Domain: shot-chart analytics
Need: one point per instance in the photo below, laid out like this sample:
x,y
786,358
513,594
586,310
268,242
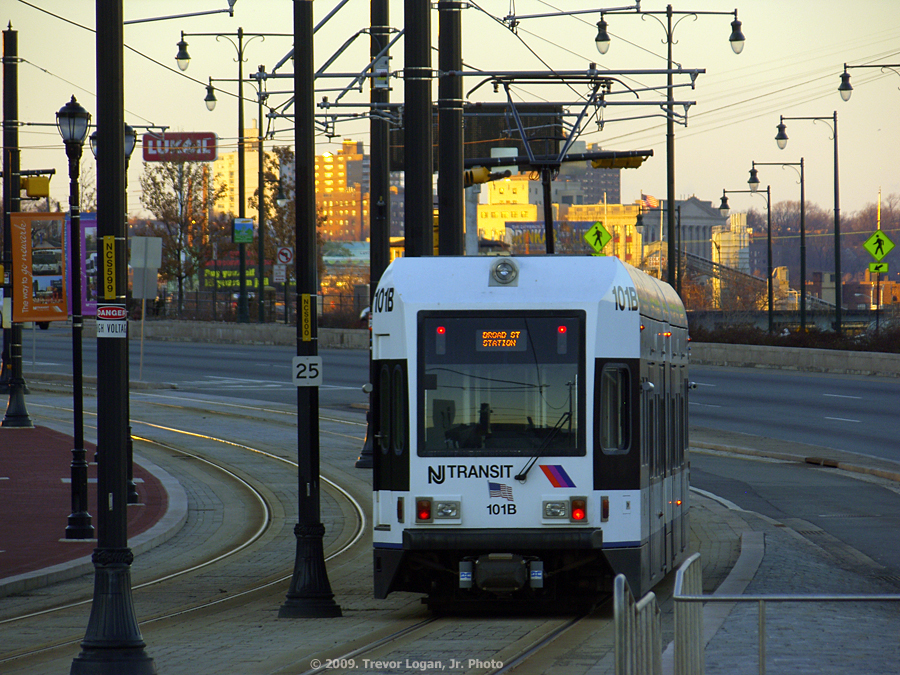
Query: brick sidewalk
x,y
35,501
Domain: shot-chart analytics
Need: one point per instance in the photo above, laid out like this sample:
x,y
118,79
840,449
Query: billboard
x,y
492,125
39,266
180,146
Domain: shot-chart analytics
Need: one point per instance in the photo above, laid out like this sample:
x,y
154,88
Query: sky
x,y
791,65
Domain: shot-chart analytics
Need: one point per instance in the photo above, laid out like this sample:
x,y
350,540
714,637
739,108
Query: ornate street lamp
x,y
724,210
753,182
73,121
736,39
845,89
782,139
183,59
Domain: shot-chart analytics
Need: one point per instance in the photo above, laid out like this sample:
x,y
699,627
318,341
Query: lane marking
x,y
843,419
858,398
705,405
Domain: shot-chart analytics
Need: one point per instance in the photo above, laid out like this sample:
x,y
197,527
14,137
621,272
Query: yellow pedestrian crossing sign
x,y
878,245
597,236
879,267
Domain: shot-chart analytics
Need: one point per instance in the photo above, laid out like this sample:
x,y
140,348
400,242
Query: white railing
x,y
688,597
638,638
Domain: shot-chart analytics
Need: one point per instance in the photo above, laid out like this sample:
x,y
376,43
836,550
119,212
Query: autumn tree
x,y
177,194
280,221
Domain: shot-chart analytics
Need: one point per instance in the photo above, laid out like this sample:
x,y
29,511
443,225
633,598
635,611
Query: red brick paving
x,y
35,503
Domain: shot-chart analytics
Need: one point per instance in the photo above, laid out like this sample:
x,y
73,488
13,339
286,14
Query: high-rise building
x,y
342,192
225,171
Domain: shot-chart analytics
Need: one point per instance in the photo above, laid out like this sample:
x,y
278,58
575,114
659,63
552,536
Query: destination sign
x,y
500,339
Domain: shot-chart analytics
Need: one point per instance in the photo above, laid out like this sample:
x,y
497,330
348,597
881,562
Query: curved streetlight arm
x,y
846,89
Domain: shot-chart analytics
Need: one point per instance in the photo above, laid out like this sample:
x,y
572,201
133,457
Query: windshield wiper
x,y
523,474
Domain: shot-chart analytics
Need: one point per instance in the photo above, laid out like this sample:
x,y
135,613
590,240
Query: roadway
x,y
849,413
843,412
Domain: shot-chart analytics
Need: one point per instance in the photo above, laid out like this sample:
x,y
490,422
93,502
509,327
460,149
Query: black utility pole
x,y
310,592
261,205
11,376
451,196
417,129
113,642
379,183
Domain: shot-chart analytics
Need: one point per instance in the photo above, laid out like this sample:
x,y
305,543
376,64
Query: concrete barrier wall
x,y
711,354
243,333
793,358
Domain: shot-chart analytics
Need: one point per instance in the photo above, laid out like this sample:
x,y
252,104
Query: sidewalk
x,y
35,503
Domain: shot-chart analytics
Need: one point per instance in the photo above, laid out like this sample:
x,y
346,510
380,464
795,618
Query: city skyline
x,y
790,66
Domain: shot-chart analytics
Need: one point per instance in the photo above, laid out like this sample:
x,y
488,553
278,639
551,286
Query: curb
x,y
167,527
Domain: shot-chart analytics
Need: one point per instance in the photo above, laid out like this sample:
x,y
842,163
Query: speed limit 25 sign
x,y
307,371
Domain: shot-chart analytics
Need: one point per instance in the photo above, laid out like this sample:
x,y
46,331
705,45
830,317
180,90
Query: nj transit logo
x,y
557,476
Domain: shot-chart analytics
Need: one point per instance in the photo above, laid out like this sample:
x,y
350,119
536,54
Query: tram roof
x,y
578,279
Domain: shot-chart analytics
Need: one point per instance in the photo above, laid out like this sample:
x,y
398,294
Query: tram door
x,y
656,420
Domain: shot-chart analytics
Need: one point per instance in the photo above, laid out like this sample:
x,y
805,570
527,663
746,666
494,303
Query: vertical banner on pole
x,y
38,266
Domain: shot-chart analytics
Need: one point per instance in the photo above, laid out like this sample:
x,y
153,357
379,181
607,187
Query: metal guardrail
x,y
638,639
689,647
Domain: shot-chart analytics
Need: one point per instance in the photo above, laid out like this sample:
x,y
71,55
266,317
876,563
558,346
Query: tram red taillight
x,y
561,329
441,330
423,510
579,509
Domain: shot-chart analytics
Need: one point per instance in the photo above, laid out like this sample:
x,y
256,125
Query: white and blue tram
x,y
530,419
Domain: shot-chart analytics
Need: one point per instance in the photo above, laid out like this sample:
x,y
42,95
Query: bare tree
x,y
177,194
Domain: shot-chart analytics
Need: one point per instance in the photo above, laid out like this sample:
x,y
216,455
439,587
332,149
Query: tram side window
x,y
615,410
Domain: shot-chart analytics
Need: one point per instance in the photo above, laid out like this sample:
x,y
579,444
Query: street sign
x,y
878,245
112,321
307,371
879,267
285,255
109,267
180,146
243,231
146,259
597,236
279,274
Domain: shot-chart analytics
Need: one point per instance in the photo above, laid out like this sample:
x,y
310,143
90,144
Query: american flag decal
x,y
500,490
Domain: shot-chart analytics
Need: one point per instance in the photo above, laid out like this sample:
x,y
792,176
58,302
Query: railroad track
x,y
188,579
474,645
229,602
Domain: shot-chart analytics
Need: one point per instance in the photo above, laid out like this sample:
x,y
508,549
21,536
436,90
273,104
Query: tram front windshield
x,y
501,384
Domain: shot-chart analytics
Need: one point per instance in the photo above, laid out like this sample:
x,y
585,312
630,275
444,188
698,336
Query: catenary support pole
x,y
113,641
310,592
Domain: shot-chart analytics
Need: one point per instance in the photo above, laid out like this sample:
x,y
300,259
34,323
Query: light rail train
x,y
530,426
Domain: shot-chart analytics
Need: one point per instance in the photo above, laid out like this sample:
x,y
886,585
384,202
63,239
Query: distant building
x,y
225,170
342,192
732,243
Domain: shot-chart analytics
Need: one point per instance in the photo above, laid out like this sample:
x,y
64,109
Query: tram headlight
x,y
554,509
504,271
446,509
